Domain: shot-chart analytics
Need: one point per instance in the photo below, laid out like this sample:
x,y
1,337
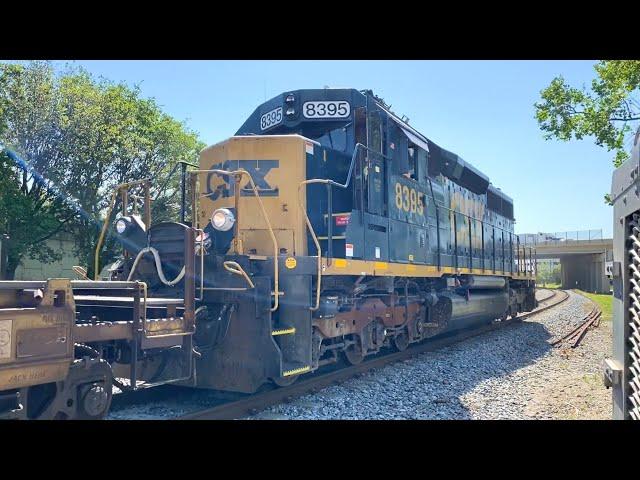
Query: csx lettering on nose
x,y
258,169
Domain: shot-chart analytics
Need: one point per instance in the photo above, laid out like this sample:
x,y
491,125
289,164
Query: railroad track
x,y
250,405
575,336
556,298
552,294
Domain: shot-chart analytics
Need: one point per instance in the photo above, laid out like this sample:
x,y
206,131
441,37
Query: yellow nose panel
x,y
277,164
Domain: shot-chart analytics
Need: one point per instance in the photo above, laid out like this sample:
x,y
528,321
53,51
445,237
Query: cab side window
x,y
360,126
375,131
398,150
412,157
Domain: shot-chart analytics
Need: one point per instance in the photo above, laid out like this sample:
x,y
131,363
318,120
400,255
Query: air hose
x,y
156,257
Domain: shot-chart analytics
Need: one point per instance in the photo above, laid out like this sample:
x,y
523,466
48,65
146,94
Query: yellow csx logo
x,y
408,199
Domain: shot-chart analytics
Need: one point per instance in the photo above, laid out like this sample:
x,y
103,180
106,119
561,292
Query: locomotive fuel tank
x,y
477,282
479,307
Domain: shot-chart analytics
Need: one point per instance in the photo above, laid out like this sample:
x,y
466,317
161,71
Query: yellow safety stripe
x,y
342,266
284,331
295,371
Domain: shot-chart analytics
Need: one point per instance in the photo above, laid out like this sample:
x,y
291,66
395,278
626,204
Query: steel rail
x,y
547,297
249,405
577,334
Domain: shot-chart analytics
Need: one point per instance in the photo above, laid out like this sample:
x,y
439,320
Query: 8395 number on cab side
x,y
271,118
326,109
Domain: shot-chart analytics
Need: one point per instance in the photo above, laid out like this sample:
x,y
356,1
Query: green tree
x,y
609,111
29,214
30,210
556,274
547,272
85,136
543,273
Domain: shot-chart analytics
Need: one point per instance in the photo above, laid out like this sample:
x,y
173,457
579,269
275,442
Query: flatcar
x,y
326,228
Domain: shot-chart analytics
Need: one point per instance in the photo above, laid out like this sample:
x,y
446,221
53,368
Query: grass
x,y
603,300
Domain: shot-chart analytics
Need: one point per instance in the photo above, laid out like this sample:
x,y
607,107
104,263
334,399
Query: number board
x,y
271,118
328,109
407,200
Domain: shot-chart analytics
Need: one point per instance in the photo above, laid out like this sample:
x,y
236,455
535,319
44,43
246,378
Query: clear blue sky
x,y
482,110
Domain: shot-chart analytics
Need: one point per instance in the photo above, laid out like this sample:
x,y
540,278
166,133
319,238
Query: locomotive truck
x,y
326,228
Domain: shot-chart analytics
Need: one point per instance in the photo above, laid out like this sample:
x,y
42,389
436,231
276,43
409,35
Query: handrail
x,y
236,268
238,174
314,237
325,181
105,226
179,163
81,272
442,205
183,164
482,222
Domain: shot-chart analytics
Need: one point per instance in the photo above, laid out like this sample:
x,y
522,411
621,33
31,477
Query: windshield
x,y
334,139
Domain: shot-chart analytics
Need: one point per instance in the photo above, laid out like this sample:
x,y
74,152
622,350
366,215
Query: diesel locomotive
x,y
327,227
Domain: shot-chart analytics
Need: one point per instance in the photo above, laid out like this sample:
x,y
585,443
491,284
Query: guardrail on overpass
x,y
560,238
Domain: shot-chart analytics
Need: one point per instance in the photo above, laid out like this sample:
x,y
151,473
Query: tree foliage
x,y
30,210
84,136
609,111
547,272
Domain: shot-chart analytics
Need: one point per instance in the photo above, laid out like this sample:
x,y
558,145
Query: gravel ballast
x,y
510,373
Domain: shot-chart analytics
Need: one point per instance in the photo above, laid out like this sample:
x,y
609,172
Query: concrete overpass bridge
x,y
583,257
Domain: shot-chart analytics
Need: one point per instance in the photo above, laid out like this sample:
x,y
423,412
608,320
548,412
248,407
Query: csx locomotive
x,y
326,227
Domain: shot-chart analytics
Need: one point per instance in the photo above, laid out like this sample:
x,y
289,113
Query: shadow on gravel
x,y
427,386
461,368
431,385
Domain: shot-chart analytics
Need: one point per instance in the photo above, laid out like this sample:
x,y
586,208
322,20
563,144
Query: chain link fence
x,y
560,238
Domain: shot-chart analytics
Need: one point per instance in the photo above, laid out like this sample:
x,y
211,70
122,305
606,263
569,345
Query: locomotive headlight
x,y
291,111
223,219
290,98
121,226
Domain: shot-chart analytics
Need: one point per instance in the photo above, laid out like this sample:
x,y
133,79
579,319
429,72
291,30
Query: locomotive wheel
x,y
285,381
401,341
354,353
